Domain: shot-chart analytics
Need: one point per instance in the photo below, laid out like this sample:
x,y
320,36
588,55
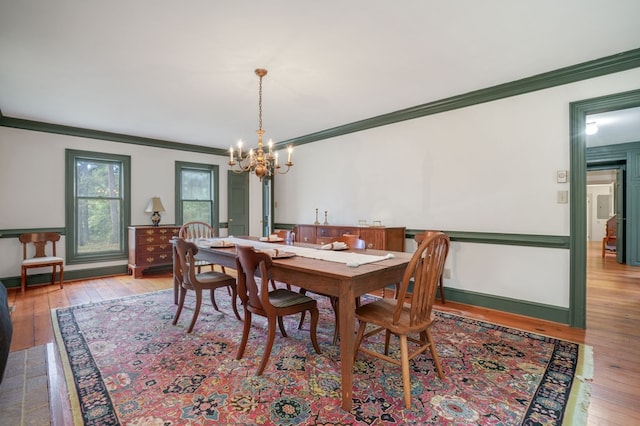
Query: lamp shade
x,y
155,205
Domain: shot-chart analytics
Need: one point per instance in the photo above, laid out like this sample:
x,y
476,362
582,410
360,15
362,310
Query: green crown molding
x,y
571,74
38,126
598,67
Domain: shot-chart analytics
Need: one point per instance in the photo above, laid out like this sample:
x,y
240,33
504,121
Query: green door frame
x,y
578,186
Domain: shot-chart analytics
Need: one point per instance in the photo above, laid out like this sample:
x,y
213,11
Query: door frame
x,y
578,112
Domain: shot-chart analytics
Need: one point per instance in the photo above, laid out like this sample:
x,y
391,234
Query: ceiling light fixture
x,y
592,128
258,162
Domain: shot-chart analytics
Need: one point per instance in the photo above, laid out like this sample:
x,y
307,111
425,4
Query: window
x,y
197,193
98,206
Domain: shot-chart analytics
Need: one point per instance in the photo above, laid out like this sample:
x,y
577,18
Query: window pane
x,y
196,185
97,179
98,226
196,211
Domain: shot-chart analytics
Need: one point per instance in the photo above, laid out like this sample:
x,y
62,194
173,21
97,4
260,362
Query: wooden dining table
x,y
330,278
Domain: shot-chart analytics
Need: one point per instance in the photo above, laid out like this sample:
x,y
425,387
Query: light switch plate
x,y
563,197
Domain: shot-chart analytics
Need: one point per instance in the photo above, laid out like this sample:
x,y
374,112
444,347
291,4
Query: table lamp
x,y
155,206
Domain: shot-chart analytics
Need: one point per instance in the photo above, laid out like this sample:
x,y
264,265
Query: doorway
x,y
578,202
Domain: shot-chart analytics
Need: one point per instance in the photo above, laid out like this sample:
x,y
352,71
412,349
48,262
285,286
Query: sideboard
x,y
150,246
375,237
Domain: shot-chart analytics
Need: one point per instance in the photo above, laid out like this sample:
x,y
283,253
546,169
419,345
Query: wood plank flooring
x,y
613,326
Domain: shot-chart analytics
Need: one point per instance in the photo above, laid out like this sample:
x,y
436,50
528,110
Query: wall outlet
x,y
446,273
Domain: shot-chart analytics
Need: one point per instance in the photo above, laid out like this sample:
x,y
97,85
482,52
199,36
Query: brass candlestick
x,y
326,222
316,222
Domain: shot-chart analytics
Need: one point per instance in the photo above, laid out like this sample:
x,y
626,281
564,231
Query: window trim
x,y
215,191
71,249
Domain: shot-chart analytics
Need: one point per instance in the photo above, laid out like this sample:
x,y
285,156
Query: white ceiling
x,y
184,71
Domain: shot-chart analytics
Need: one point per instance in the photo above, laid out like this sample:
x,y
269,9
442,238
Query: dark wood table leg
x,y
346,319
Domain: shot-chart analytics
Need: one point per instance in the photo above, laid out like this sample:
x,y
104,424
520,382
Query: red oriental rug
x,y
127,364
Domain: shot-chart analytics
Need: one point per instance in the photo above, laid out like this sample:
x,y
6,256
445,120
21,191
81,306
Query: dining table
x,y
345,274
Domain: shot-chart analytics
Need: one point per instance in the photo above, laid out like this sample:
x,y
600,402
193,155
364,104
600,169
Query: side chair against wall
x,y
395,316
257,299
609,240
190,280
196,230
40,240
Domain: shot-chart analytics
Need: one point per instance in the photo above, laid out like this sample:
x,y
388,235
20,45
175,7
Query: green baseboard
x,y
514,306
81,274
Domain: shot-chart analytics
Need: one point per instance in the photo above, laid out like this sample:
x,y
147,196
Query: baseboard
x,y
505,304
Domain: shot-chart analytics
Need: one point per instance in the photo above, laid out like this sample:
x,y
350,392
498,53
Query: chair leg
x,y
359,336
434,354
61,275
245,334
404,360
196,310
183,293
441,289
234,299
267,349
336,330
387,337
23,279
53,275
314,324
213,300
281,325
304,313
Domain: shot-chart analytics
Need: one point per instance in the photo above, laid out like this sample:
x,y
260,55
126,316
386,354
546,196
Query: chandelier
x,y
258,161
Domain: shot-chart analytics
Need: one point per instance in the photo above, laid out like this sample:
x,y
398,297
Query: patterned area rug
x,y
127,364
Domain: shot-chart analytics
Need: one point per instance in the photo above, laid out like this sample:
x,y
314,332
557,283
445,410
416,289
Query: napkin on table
x,y
270,252
336,245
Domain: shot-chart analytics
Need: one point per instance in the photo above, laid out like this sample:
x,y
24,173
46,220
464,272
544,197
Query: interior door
x,y
621,211
238,203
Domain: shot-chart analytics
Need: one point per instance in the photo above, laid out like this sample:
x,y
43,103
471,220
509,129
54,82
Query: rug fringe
x,y
577,410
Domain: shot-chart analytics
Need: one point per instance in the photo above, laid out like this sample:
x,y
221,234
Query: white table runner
x,y
351,259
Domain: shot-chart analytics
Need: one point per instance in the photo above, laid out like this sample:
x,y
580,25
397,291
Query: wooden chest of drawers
x,y
150,246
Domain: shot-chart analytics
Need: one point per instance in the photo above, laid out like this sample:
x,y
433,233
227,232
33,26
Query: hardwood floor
x,y
613,326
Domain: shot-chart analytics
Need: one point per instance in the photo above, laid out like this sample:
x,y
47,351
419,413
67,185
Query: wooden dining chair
x,y
407,318
40,259
257,299
198,282
610,236
195,230
418,239
353,241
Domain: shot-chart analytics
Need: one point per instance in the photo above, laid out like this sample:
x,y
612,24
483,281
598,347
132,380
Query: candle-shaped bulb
x,y
290,151
240,149
276,159
270,148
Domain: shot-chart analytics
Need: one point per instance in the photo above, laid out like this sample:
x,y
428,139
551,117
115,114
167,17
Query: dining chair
x,y
195,230
418,239
609,240
198,282
40,259
275,304
353,241
406,318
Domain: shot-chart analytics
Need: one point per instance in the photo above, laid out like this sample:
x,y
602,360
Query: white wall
x,y
485,168
32,177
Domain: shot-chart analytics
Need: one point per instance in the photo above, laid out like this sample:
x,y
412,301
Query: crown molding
x,y
595,68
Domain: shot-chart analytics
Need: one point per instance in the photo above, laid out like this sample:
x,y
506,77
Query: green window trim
x,y
180,167
72,253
